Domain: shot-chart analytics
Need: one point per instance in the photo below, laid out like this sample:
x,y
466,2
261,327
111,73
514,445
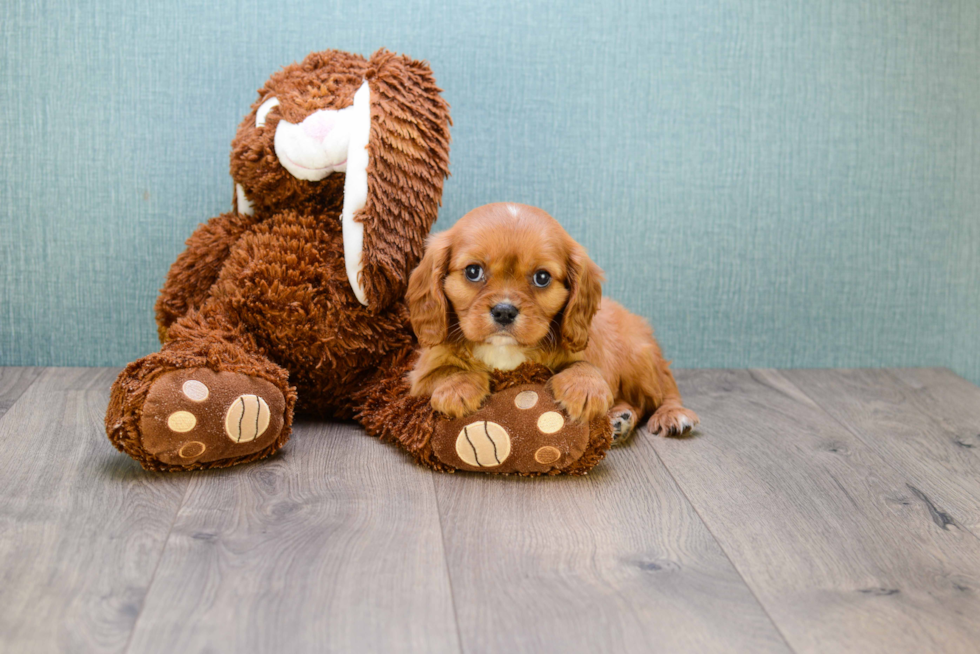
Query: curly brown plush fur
x,y
262,297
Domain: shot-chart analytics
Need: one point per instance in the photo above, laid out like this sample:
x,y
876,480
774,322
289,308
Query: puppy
x,y
507,284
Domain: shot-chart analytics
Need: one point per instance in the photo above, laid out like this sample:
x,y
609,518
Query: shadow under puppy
x,y
507,285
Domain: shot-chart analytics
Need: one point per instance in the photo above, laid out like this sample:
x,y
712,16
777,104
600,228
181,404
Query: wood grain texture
x,y
82,527
840,548
949,400
13,383
331,546
929,428
813,511
617,562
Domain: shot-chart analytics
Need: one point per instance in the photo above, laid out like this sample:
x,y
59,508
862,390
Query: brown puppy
x,y
507,284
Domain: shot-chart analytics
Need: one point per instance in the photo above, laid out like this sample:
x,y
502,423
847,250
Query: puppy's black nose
x,y
504,314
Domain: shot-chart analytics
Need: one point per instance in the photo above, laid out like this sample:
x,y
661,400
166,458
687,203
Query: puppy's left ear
x,y
585,294
427,303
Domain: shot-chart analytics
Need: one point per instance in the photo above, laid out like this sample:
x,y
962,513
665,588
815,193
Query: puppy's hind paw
x,y
623,419
672,421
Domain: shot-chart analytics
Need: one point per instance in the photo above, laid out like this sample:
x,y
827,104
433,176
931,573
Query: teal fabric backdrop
x,y
771,182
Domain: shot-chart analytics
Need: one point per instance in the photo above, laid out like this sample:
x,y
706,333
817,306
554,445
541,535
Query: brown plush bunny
x,y
294,300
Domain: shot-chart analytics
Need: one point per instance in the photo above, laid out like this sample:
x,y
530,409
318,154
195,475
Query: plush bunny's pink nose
x,y
318,124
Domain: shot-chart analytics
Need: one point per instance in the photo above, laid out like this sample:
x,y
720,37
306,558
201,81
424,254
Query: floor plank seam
x,y
445,562
163,551
721,547
23,392
930,506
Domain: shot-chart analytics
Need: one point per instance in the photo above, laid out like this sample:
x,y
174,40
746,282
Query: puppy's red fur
x,y
605,358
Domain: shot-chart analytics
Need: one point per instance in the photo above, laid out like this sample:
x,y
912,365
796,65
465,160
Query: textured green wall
x,y
773,183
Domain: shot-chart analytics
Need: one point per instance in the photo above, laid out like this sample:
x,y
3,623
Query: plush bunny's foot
x,y
197,415
171,410
521,430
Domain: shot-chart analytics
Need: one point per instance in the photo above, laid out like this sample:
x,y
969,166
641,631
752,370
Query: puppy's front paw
x,y
459,395
672,421
583,396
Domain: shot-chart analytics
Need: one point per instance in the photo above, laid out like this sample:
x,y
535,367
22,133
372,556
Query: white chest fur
x,y
501,357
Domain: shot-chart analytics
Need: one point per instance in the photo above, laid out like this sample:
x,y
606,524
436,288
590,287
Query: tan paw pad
x,y
195,391
247,418
550,422
525,400
191,450
547,454
483,444
181,421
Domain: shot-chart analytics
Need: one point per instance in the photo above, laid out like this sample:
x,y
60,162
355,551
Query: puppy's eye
x,y
473,272
542,278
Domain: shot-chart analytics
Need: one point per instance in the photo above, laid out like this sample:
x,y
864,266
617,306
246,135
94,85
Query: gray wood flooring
x,y
813,511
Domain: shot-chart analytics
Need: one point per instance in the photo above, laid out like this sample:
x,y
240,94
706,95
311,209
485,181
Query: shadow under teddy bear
x,y
294,300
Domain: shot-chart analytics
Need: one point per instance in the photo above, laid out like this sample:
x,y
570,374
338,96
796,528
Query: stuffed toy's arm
x,y
196,268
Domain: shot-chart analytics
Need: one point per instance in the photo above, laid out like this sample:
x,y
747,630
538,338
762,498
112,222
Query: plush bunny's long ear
x,y
408,160
427,302
585,294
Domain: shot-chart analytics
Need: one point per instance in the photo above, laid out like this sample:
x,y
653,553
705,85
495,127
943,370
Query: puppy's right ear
x,y
427,303
584,298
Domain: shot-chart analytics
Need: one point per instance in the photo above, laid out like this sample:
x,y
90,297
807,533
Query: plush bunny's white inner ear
x,y
356,189
244,204
264,110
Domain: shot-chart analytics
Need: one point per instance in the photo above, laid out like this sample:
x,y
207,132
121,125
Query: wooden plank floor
x,y
813,511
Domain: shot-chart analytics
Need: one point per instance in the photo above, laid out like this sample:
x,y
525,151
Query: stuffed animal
x,y
294,300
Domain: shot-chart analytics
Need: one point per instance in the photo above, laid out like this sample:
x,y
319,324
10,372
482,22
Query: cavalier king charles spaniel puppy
x,y
507,284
